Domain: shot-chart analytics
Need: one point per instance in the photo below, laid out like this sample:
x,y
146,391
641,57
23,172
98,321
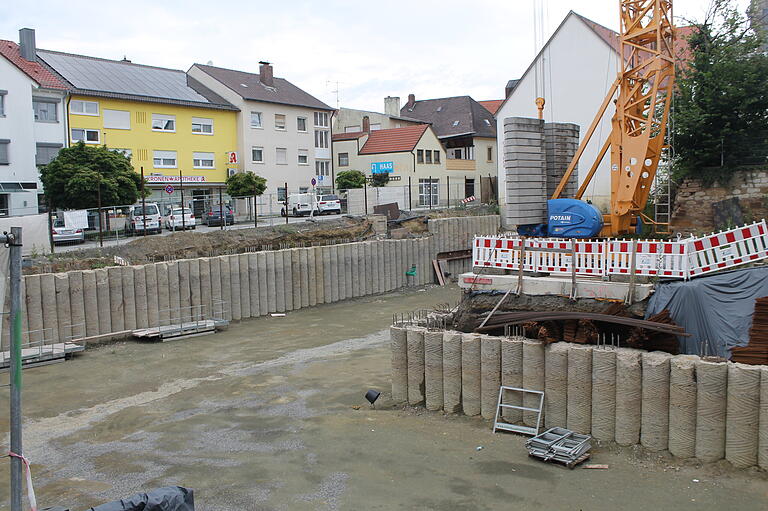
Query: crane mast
x,y
643,90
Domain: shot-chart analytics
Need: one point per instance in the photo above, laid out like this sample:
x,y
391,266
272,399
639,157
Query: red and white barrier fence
x,y
682,258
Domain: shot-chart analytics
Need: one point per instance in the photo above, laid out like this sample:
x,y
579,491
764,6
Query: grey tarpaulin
x,y
168,498
717,308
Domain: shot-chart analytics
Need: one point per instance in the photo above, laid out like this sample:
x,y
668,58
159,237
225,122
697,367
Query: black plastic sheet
x,y
168,498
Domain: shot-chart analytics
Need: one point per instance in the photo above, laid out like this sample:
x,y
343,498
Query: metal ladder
x,y
662,206
518,428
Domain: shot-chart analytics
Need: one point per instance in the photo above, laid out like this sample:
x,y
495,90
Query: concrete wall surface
x,y
91,303
691,407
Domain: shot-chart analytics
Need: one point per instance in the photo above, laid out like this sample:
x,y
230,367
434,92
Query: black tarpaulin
x,y
715,309
168,498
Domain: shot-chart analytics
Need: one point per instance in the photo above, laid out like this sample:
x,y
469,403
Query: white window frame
x,y
322,139
164,118
84,104
53,102
285,156
424,192
3,93
277,127
346,160
352,129
114,126
321,120
322,167
202,122
300,118
305,154
200,161
257,148
164,155
261,120
85,135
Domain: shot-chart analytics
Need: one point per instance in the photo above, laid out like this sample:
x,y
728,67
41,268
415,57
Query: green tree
x,y
720,118
244,184
380,179
74,177
347,179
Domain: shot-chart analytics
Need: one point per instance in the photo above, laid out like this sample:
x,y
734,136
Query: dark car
x,y
213,216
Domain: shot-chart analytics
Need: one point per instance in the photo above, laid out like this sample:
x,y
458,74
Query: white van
x,y
300,204
136,218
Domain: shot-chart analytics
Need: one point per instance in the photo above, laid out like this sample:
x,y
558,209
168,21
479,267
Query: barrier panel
x,y
681,259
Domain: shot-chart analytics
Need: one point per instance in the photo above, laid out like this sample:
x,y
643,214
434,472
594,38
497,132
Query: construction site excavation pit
x,y
270,414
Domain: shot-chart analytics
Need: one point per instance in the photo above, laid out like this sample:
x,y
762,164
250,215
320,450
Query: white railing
x,y
682,258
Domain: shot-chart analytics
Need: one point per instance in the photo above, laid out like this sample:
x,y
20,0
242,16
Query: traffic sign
x,y
169,189
314,181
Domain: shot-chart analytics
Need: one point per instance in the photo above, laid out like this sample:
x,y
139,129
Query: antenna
x,y
335,91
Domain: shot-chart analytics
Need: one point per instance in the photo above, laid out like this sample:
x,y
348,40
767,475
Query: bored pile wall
x,y
691,407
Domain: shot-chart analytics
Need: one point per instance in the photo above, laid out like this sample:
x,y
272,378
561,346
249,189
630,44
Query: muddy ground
x,y
270,415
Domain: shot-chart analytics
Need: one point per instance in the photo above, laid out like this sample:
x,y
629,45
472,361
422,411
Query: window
x,y
117,119
490,153
257,154
436,158
321,138
2,102
301,124
420,156
87,136
162,122
429,192
202,125
256,120
321,119
303,157
45,110
322,167
428,156
164,159
46,153
4,143
303,189
352,129
343,159
280,122
376,126
80,107
281,156
455,123
202,160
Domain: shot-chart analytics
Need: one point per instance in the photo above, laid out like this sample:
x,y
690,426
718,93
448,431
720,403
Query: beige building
x,y
349,120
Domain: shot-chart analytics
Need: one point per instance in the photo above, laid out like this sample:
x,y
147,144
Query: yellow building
x,y
172,127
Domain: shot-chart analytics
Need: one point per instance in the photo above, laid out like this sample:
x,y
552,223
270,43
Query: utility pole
x,y
14,243
98,203
255,206
183,211
143,204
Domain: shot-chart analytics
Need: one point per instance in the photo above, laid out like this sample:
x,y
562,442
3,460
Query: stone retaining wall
x,y
91,303
688,406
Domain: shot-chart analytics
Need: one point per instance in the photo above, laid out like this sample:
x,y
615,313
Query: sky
x,y
431,48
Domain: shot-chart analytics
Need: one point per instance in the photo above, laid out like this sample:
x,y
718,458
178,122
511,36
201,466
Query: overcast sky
x,y
433,48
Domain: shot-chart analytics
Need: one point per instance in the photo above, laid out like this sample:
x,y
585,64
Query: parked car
x,y
330,204
63,235
300,204
174,220
213,216
135,223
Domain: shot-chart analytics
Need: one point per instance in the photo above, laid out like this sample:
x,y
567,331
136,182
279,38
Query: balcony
x,y
454,164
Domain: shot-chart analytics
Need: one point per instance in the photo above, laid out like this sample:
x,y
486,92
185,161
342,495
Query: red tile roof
x,y
492,105
394,140
34,70
352,135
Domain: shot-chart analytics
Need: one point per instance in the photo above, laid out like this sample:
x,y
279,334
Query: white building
x,y
573,72
32,124
283,133
350,120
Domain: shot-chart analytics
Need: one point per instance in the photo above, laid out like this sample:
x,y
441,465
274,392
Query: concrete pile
x,y
688,406
525,171
560,143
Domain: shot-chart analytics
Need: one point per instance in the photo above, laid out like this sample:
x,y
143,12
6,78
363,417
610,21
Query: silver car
x,y
61,234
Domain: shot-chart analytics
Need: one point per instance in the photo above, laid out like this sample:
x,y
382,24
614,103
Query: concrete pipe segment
x,y
288,275
34,303
245,287
140,290
682,406
415,340
512,376
214,267
556,384
253,285
264,275
277,287
185,289
63,308
452,372
490,375
298,294
234,286
129,300
711,395
115,276
399,345
742,415
533,379
629,380
158,273
77,302
604,394
433,369
354,259
206,298
762,450
48,301
348,276
654,426
580,389
470,374
102,295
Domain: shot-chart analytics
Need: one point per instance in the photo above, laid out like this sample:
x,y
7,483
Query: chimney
x,y
392,106
411,101
27,44
265,74
366,124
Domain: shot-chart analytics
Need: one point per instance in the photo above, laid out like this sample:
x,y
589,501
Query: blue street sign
x,y
382,167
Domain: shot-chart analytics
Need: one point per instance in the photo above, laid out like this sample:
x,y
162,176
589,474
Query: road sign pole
x,y
183,215
286,203
143,205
